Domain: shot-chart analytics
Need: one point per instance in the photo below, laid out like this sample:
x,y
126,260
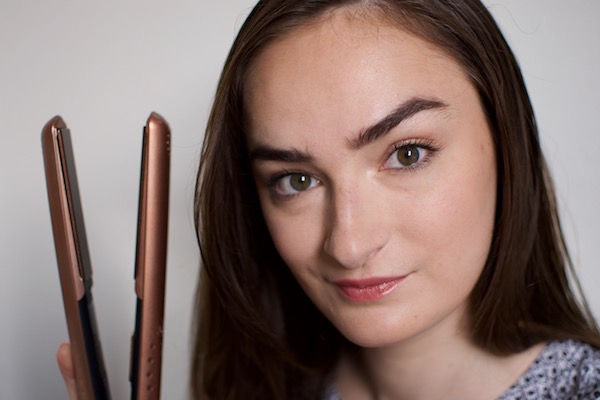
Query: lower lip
x,y
368,293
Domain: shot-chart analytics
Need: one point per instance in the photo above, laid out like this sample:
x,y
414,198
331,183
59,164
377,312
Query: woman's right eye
x,y
294,183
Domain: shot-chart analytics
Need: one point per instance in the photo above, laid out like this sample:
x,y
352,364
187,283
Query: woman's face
x,y
376,174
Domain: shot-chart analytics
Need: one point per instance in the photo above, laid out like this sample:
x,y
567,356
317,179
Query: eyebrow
x,y
268,153
401,113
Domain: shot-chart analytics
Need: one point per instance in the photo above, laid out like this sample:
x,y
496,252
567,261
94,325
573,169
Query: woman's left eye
x,y
407,156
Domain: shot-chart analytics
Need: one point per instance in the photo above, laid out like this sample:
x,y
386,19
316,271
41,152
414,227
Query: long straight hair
x,y
257,335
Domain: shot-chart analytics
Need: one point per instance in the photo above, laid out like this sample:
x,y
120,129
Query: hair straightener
x,y
75,269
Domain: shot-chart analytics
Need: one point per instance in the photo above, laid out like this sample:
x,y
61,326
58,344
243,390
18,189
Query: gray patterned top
x,y
564,370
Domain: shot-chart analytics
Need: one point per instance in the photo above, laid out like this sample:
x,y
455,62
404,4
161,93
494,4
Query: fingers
x,y
65,364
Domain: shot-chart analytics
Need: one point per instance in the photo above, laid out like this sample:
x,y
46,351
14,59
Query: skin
x,y
351,210
343,208
65,364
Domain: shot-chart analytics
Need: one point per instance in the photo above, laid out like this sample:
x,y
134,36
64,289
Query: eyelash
x,y
428,145
425,144
276,178
272,180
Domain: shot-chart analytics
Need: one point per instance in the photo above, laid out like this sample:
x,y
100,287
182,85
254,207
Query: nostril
x,y
355,230
352,249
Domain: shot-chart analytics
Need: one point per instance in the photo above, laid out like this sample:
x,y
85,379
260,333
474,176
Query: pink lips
x,y
365,290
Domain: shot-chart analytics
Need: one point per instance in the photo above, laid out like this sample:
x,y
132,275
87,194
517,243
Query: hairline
x,y
376,12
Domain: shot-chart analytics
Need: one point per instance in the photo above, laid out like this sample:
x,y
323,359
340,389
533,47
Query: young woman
x,y
375,216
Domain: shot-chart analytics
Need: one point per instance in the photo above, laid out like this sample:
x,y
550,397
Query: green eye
x,y
300,182
408,155
290,184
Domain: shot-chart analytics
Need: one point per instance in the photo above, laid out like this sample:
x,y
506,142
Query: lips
x,y
367,290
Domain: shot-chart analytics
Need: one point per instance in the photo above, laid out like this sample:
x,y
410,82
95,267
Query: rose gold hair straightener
x,y
75,268
151,259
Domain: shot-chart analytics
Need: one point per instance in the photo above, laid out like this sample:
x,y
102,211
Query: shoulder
x,y
565,369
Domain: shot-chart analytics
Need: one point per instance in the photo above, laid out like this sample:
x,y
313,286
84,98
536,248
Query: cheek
x,y
296,235
460,220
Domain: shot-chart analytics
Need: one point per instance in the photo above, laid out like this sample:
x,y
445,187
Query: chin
x,y
374,330
374,340
384,327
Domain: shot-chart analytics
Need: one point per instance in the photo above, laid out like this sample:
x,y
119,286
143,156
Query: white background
x,y
105,65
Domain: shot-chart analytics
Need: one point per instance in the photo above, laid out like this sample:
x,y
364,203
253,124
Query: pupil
x,y
408,155
300,182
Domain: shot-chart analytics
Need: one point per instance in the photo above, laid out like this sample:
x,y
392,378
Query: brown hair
x,y
257,335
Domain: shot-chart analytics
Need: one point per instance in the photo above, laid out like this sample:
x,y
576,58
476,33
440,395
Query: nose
x,y
355,226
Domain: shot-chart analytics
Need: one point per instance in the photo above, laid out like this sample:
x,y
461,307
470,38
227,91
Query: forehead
x,y
341,71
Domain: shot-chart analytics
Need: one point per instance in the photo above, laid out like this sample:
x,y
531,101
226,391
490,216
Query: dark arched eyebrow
x,y
267,153
395,118
401,113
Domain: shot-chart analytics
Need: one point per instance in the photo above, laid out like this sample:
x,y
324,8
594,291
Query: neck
x,y
433,365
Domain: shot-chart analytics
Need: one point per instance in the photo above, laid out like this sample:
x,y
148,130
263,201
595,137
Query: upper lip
x,y
367,282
